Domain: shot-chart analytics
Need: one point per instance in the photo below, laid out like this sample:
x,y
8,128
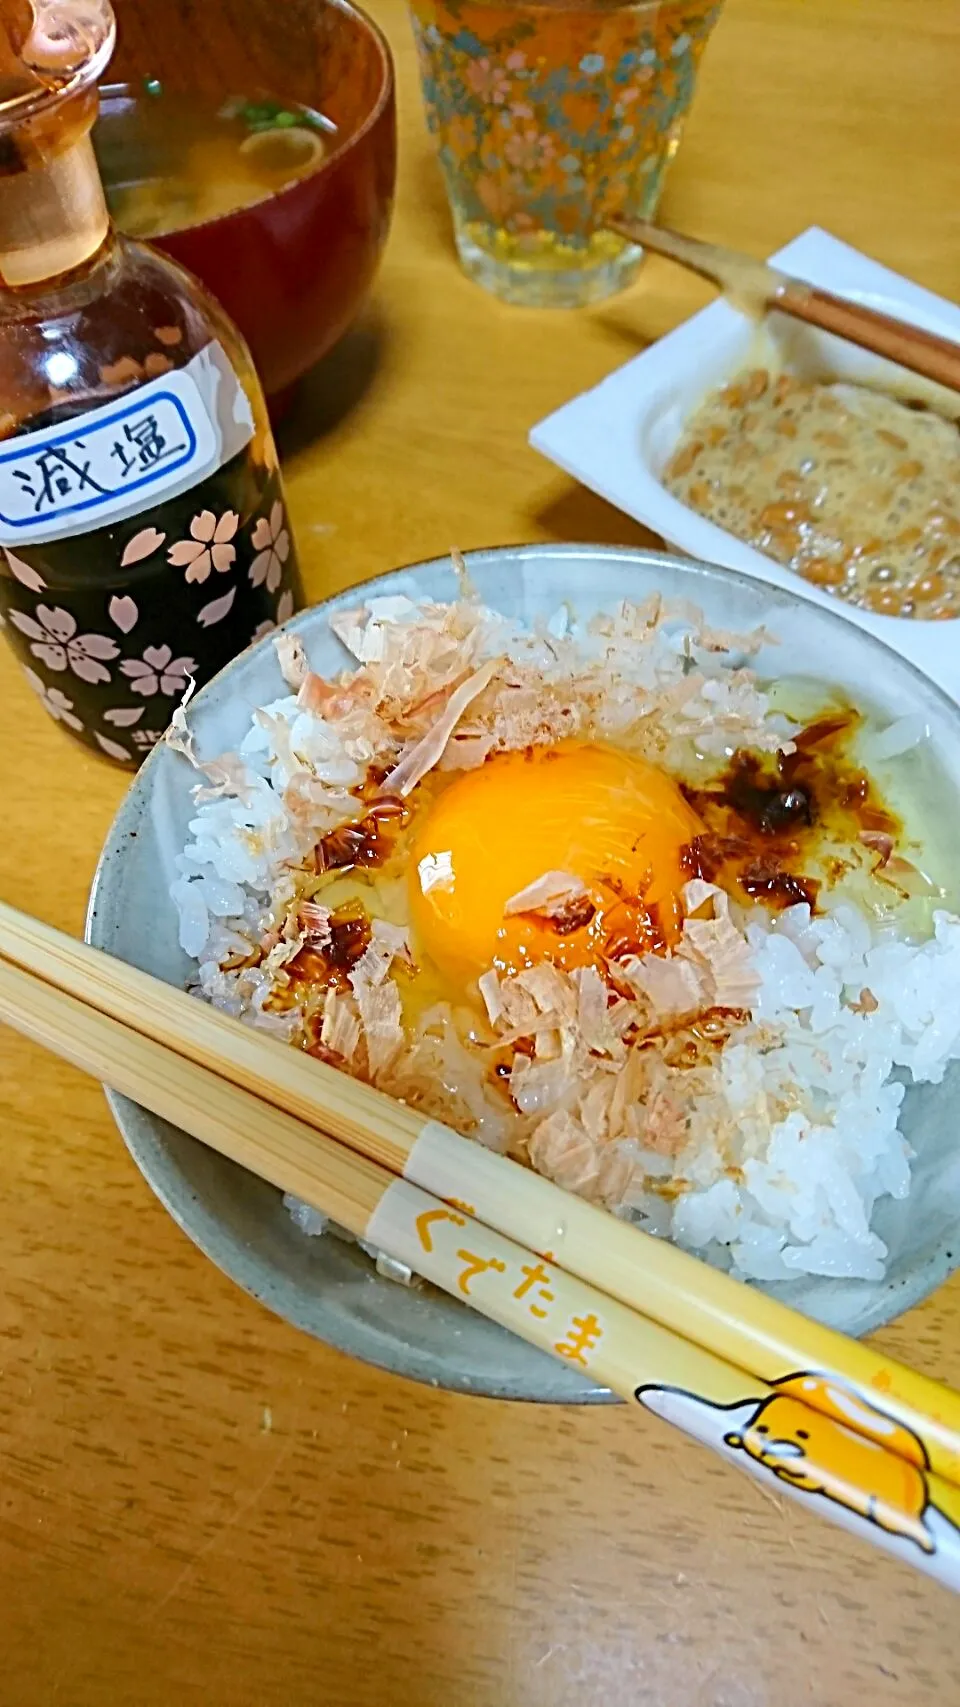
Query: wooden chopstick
x,y
759,286
893,1503
738,1323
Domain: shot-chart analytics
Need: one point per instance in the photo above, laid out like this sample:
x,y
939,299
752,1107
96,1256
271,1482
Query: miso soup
x,y
172,160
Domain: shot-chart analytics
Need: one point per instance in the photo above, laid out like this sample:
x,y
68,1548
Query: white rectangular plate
x,y
618,437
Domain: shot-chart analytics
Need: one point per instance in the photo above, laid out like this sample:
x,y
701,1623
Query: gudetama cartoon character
x,y
844,1450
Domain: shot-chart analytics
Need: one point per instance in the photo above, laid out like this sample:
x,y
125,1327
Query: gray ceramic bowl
x,y
330,1288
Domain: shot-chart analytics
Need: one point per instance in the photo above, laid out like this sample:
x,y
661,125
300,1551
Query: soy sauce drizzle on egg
x,y
767,818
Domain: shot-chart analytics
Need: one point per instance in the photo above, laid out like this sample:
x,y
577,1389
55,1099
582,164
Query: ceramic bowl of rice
x,y
632,868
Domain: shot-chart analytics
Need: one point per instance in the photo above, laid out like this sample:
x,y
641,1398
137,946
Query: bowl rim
x,y
254,1273
385,96
834,612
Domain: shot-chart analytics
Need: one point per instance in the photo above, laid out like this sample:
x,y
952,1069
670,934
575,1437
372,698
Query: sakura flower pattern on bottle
x,y
113,622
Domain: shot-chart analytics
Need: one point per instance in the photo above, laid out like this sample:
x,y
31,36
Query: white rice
x,y
805,1114
806,1185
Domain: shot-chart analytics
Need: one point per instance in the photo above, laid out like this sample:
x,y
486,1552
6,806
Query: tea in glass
x,y
550,118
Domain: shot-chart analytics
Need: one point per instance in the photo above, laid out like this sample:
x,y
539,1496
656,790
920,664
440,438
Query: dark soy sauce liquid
x,y
110,622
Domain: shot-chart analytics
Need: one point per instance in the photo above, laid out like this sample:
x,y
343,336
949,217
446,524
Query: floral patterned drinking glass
x,y
549,118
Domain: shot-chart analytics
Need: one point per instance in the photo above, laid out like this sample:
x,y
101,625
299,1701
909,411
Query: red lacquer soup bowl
x,y
293,270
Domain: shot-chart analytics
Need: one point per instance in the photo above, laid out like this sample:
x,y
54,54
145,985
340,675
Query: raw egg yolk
x,y
612,820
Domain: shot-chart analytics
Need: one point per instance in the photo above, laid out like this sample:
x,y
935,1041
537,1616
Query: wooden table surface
x,y
198,1504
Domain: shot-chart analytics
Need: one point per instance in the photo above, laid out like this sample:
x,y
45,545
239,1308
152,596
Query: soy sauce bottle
x,y
143,533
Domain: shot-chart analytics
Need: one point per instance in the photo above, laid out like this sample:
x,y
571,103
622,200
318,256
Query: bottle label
x,y
125,457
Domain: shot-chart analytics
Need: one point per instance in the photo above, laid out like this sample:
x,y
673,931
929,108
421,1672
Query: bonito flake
x,y
609,1078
